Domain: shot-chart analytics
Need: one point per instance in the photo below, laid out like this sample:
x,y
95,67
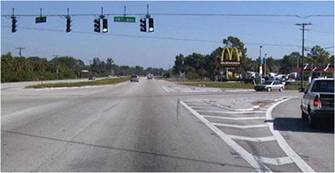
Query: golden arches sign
x,y
230,56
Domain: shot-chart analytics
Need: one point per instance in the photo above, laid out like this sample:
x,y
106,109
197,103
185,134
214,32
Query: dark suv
x,y
318,101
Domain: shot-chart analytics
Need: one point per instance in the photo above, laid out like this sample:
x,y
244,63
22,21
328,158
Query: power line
x,y
181,14
157,37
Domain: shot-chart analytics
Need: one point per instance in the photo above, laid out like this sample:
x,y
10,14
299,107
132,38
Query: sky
x,y
202,34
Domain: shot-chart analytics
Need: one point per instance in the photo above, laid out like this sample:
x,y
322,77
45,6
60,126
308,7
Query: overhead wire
x,y
181,14
156,37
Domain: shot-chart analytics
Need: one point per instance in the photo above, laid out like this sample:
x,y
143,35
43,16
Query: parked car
x,y
270,85
134,78
318,101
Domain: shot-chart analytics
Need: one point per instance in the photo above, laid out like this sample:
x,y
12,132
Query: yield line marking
x,y
259,166
239,126
282,142
233,118
232,112
255,139
275,161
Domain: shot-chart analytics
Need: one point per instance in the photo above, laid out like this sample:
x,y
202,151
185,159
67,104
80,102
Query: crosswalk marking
x,y
240,126
253,139
234,118
232,112
275,161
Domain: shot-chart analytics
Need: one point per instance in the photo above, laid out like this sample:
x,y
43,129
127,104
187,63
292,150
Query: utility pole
x,y
264,62
20,50
302,54
57,66
260,61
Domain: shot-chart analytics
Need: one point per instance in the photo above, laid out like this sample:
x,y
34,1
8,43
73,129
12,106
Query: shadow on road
x,y
299,125
127,150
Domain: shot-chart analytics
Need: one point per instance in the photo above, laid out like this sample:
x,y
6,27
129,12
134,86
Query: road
x,y
155,125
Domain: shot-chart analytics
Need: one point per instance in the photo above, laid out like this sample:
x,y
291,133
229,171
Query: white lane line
x,y
233,118
165,89
275,161
259,166
282,142
253,139
239,126
232,112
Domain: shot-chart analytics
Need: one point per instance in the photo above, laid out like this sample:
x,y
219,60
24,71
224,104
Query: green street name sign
x,y
124,19
41,19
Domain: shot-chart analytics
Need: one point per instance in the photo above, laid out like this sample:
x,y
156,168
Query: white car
x,y
270,86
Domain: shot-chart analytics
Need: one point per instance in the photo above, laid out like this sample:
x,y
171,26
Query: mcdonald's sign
x,y
230,56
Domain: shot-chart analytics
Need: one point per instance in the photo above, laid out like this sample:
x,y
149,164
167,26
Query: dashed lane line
x,y
240,126
234,118
257,164
282,142
253,139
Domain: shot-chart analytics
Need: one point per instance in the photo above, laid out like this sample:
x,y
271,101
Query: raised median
x,y
80,84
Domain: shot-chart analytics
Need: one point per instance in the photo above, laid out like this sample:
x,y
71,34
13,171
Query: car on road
x,y
318,101
270,85
149,76
134,78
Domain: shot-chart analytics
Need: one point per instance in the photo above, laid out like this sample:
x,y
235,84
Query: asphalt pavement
x,y
155,125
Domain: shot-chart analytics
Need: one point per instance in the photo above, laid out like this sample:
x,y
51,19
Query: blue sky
x,y
161,52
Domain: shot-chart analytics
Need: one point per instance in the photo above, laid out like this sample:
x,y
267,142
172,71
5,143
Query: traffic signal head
x,y
151,24
143,25
104,25
97,25
68,24
14,21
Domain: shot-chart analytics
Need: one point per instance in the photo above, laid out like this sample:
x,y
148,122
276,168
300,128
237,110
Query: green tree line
x,y
199,66
14,69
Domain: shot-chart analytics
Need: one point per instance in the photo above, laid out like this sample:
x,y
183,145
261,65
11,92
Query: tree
x,y
179,64
289,61
318,56
272,65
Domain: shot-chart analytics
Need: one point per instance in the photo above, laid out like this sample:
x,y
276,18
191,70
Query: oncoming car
x,y
270,86
134,78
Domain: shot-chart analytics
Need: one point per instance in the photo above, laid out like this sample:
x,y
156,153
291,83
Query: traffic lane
x,y
143,134
101,132
60,120
23,99
315,146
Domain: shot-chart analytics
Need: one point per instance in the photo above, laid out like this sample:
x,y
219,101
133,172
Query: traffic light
x,y
97,25
14,21
68,24
104,25
151,24
143,25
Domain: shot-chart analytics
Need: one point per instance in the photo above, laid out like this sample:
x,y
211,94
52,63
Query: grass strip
x,y
80,84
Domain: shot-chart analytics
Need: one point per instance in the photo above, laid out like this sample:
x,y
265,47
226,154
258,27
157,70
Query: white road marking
x,y
275,161
239,126
282,142
233,118
259,166
165,89
253,139
232,112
